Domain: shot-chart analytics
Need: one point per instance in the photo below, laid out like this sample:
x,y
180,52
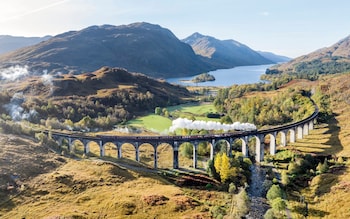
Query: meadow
x,y
161,124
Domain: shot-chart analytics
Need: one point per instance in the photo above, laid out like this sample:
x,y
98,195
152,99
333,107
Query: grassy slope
x,y
92,189
151,122
328,195
51,186
159,123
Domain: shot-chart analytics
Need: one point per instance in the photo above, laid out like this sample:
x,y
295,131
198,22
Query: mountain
x,y
328,60
11,43
138,47
225,53
107,92
273,57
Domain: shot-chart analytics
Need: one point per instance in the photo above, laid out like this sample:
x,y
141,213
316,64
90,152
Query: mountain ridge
x,y
225,53
10,43
327,60
138,47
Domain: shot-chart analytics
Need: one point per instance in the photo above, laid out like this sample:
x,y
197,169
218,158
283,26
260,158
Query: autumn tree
x,y
225,170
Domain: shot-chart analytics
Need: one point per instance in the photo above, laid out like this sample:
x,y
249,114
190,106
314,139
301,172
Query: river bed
x,y
256,192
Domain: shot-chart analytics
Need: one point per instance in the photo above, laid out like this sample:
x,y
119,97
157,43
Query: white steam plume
x,y
47,80
181,123
14,72
15,109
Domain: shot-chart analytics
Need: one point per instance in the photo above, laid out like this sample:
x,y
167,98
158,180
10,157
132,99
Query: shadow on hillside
x,y
310,212
6,204
334,140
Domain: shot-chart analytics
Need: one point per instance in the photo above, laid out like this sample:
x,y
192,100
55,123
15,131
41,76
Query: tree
x,y
322,167
274,192
186,149
293,168
226,119
240,204
211,170
284,178
203,149
157,110
278,205
243,201
269,214
225,168
218,162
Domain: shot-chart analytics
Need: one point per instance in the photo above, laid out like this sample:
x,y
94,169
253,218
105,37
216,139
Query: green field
x,y
158,123
194,108
151,122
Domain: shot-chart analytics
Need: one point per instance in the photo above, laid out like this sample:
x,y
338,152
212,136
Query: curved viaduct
x,y
296,131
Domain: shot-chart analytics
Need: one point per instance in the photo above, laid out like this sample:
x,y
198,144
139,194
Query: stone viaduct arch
x,y
296,131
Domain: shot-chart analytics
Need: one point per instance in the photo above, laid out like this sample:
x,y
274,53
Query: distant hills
x,y
273,57
112,92
11,43
138,47
329,60
225,53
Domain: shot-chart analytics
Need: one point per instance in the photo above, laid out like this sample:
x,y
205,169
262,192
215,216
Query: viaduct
x,y
295,131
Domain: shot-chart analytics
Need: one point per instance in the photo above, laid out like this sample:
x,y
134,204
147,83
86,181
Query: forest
x,y
289,106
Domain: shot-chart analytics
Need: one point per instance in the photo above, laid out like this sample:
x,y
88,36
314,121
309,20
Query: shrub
x,y
274,192
232,188
285,178
322,167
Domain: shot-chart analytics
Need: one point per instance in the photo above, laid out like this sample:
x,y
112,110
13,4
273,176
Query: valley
x,y
65,182
93,124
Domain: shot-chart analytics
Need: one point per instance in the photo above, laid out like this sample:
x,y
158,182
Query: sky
x,y
285,27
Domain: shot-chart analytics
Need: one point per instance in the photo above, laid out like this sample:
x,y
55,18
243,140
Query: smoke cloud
x,y
47,80
182,123
14,72
16,111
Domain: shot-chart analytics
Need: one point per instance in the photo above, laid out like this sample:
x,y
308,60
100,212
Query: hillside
x,y
329,60
138,47
11,43
273,57
110,93
36,183
225,53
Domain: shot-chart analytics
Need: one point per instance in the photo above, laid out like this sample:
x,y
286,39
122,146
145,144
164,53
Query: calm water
x,y
228,77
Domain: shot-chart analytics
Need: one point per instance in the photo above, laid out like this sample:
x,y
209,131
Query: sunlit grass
x,y
194,108
328,195
92,189
151,122
161,124
323,140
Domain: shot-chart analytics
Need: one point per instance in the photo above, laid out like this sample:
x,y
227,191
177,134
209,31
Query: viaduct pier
x,y
295,131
